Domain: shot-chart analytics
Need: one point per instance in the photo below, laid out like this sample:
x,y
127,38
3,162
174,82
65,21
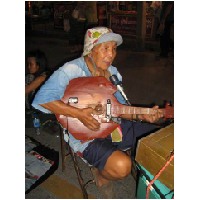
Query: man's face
x,y
103,54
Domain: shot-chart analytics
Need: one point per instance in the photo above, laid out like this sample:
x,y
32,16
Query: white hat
x,y
98,35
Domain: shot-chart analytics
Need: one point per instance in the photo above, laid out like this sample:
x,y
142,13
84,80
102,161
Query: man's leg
x,y
107,157
111,163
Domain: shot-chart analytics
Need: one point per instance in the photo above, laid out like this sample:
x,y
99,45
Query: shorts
x,y
98,151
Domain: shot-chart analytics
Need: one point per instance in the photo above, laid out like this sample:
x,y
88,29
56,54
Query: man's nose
x,y
110,52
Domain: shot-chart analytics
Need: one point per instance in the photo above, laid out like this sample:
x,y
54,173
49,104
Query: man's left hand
x,y
152,118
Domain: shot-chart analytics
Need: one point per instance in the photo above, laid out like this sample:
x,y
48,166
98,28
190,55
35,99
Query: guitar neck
x,y
123,109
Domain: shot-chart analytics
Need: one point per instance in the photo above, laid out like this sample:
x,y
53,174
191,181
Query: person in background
x,y
77,22
156,6
37,74
106,155
166,24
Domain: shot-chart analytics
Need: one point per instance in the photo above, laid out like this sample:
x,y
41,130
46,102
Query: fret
x,y
123,109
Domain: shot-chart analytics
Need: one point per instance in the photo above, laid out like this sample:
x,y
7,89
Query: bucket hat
x,y
98,35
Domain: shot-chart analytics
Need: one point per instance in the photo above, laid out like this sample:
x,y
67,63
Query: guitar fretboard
x,y
131,110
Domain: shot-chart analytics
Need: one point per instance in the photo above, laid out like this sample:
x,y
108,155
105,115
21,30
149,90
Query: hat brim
x,y
108,37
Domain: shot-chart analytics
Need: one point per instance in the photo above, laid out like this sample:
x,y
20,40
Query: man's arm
x,y
83,115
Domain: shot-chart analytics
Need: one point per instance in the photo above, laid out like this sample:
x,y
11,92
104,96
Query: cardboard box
x,y
154,151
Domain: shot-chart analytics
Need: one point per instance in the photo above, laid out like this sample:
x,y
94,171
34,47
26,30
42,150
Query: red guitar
x,y
97,92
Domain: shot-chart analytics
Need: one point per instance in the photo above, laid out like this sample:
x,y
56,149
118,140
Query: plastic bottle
x,y
36,123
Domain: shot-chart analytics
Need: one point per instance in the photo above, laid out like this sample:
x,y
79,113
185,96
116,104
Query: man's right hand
x,y
85,116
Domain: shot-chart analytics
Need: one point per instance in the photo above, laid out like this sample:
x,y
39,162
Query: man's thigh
x,y
98,152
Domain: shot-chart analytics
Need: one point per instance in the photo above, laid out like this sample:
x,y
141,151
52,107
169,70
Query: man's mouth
x,y
108,63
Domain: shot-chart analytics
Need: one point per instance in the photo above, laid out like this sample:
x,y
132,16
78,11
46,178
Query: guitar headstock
x,y
169,111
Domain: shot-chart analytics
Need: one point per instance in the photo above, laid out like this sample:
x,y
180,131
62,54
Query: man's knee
x,y
123,166
119,165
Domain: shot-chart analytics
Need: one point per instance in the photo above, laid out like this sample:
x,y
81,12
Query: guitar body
x,y
89,91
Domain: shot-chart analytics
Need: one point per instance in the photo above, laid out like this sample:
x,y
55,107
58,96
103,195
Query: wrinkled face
x,y
32,65
103,54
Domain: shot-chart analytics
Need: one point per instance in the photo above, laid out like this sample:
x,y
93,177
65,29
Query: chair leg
x,y
63,148
133,167
82,184
78,172
134,171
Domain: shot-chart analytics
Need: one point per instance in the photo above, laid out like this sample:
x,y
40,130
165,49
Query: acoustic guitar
x,y
97,92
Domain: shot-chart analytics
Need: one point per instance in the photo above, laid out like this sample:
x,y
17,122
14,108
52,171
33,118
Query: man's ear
x,y
90,55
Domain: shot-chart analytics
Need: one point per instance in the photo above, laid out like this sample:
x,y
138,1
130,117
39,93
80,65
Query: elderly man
x,y
106,155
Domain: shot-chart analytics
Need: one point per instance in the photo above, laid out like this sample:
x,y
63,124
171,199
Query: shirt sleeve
x,y
55,86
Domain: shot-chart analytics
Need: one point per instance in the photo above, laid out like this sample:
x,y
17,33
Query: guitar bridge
x,y
108,110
